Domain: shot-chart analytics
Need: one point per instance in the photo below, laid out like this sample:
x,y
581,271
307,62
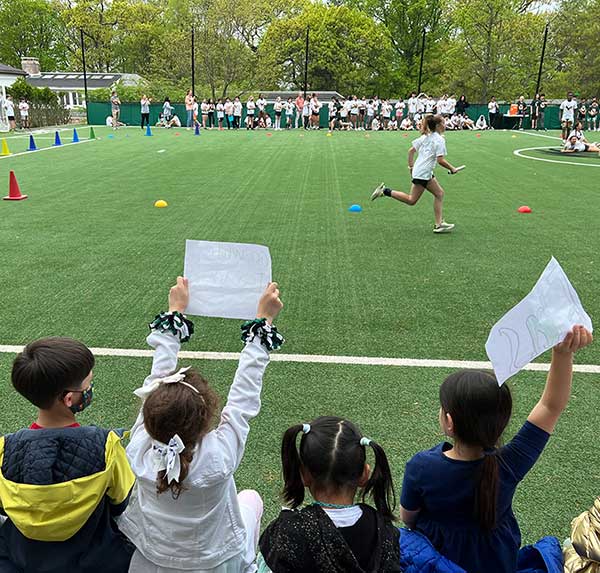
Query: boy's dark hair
x,y
480,411
332,454
48,367
176,409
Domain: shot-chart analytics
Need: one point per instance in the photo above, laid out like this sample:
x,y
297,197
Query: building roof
x,y
69,81
10,71
271,96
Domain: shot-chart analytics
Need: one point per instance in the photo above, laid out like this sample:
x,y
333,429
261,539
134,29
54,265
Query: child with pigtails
x,y
334,534
185,513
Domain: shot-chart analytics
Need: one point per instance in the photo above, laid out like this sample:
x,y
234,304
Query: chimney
x,y
31,66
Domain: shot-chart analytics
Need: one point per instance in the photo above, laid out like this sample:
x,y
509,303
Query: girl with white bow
x,y
185,513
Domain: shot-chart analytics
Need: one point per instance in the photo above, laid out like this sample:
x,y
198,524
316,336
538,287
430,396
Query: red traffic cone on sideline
x,y
14,193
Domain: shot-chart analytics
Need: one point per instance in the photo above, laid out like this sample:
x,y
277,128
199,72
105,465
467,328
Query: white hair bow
x,y
166,457
177,378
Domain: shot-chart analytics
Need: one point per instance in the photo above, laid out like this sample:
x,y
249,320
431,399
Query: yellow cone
x,y
160,203
5,150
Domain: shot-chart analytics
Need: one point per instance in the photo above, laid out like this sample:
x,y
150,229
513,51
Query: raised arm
x,y
168,331
557,391
243,401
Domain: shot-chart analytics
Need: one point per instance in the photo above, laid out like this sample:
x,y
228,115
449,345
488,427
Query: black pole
x,y
306,63
421,64
85,89
193,65
539,78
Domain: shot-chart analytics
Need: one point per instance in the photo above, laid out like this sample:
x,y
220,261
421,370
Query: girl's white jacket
x,y
203,528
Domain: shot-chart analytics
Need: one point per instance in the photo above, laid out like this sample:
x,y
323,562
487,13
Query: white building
x,y
69,86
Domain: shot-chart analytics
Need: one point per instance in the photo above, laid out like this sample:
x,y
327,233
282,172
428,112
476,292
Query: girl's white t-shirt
x,y
429,148
237,108
250,107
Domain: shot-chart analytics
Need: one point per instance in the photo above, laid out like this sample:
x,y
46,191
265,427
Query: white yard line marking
x,y
322,359
541,135
45,149
518,153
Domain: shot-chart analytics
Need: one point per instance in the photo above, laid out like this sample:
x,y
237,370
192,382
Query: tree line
x,y
477,47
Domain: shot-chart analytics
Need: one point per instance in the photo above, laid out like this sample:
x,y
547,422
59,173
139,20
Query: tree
x,y
573,60
494,49
349,52
32,28
405,21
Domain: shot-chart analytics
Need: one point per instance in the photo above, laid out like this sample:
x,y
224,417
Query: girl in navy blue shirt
x,y
460,495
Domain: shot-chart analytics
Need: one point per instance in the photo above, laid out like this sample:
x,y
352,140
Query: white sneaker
x,y
378,192
443,227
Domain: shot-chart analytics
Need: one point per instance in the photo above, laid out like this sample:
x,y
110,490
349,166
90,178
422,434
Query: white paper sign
x,y
540,321
226,279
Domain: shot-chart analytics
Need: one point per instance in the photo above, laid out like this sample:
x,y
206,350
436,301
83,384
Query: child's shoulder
x,y
427,457
52,455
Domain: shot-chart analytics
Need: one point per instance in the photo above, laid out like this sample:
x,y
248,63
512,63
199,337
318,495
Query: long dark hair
x,y
480,411
335,458
176,409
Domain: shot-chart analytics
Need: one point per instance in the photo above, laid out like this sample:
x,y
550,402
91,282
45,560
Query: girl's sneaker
x,y
443,227
379,192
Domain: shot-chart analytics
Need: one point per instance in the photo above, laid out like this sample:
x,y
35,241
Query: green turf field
x,y
88,256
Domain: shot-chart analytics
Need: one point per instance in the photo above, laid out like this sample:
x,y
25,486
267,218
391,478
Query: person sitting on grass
x,y
61,484
334,534
163,122
581,549
481,123
468,515
406,124
186,514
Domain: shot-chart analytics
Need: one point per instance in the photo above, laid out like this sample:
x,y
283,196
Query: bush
x,y
45,107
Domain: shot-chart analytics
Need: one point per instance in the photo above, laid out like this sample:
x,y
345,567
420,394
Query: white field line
x,y
519,153
45,149
541,135
322,359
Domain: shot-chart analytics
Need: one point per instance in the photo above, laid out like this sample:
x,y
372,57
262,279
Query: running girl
x,y
459,495
431,148
335,533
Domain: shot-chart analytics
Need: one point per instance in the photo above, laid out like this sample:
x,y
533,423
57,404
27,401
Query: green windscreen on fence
x,y
131,114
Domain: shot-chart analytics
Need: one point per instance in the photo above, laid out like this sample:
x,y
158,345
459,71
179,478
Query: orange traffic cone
x,y
14,193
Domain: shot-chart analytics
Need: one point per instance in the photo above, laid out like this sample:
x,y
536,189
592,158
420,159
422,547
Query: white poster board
x,y
226,279
540,321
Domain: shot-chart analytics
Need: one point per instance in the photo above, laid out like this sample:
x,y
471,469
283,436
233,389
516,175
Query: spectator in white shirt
x,y
413,104
186,513
24,112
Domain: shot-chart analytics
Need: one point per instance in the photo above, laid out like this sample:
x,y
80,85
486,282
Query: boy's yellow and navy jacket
x,y
60,490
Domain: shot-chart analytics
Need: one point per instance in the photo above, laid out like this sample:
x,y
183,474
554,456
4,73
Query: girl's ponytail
x,y
487,492
293,489
380,485
176,487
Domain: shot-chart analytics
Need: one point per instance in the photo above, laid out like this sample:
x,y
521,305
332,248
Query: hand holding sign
x,y
269,305
226,279
539,322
